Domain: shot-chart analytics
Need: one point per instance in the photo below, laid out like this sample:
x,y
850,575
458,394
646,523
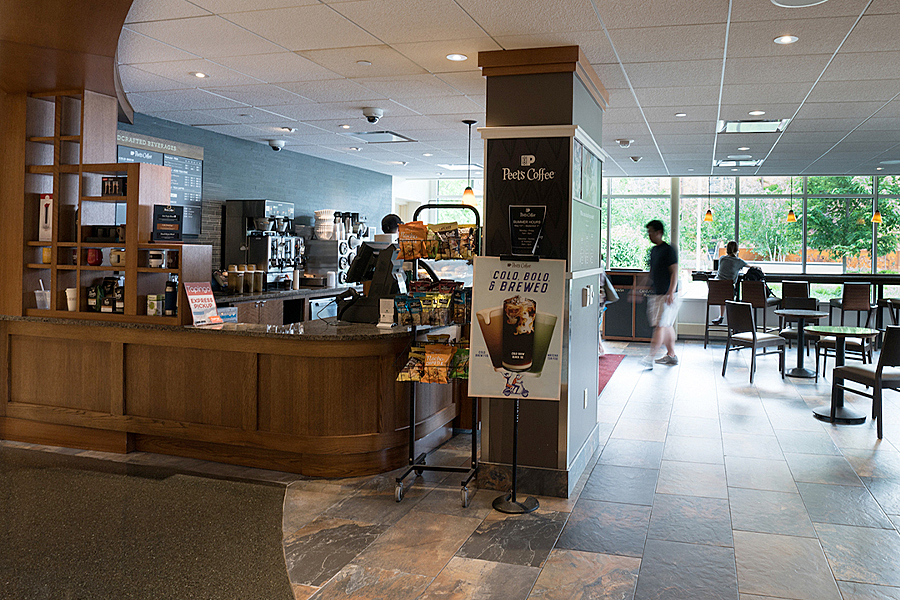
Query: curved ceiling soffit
x,y
75,49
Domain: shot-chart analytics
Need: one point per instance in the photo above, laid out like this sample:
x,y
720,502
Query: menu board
x,y
186,162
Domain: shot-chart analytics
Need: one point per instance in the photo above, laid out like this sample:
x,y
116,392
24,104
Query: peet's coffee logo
x,y
527,160
541,174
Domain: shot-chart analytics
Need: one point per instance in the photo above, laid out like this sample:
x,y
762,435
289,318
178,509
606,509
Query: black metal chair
x,y
756,294
884,375
719,292
742,334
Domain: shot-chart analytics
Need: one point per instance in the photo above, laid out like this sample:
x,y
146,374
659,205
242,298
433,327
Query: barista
x,y
390,226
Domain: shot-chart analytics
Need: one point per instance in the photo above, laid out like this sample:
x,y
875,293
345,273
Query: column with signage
x,y
542,201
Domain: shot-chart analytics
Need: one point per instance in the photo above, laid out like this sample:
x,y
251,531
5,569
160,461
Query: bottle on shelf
x,y
171,298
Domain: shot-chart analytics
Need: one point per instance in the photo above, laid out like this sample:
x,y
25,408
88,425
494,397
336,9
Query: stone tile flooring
x,y
705,487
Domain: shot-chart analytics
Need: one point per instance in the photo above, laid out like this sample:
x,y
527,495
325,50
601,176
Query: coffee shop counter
x,y
275,307
317,398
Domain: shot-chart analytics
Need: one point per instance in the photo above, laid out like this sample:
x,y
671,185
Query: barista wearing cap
x,y
390,225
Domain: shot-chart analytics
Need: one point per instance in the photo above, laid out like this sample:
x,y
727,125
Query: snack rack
x,y
417,463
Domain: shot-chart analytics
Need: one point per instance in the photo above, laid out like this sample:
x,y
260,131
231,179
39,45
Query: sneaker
x,y
647,362
667,360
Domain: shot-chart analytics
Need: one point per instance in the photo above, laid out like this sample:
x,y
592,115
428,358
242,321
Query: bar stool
x,y
754,293
719,292
795,289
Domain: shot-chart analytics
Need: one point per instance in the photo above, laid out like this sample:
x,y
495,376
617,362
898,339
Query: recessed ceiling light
x,y
198,74
744,148
457,57
680,114
288,129
786,39
428,154
797,3
345,127
756,113
879,168
735,169
739,156
752,126
402,163
354,148
364,63
690,169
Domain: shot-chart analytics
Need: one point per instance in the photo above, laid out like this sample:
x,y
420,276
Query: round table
x,y
801,315
842,414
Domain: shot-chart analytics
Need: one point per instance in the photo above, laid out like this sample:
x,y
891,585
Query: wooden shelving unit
x,y
70,139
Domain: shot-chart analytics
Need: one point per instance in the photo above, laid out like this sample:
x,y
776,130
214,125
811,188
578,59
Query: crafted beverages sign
x,y
516,347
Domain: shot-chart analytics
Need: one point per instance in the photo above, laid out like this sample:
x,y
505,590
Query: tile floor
x,y
705,487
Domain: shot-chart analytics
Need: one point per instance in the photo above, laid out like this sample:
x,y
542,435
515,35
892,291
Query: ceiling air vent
x,y
737,163
752,126
380,137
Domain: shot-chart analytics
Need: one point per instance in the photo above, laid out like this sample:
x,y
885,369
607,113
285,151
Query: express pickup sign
x,y
202,303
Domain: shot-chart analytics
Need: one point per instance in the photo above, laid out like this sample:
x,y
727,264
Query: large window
x,y
629,245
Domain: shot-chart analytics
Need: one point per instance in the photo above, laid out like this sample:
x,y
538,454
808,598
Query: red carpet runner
x,y
608,364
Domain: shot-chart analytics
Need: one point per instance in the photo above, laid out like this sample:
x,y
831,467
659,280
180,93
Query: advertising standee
x,y
516,348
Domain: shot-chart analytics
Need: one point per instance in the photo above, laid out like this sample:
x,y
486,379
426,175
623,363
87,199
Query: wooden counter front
x,y
316,406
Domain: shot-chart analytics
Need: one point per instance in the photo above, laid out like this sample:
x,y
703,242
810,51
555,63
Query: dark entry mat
x,y
73,527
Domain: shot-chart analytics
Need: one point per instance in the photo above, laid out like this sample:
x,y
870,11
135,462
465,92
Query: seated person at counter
x,y
729,268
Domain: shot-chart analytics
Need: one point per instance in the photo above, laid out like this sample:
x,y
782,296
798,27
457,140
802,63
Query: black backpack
x,y
756,274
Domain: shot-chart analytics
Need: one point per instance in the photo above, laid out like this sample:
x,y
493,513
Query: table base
x,y
802,372
844,415
505,504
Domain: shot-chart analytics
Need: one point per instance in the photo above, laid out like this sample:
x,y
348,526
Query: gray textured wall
x,y
235,168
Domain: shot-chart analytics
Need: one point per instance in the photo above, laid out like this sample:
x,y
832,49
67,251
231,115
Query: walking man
x,y
662,303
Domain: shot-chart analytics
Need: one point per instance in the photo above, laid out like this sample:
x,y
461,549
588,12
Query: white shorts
x,y
661,314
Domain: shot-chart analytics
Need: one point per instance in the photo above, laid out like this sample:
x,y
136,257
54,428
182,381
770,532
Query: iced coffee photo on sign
x,y
518,333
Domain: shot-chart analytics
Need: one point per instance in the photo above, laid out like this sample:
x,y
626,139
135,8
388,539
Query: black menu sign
x,y
526,224
187,188
168,223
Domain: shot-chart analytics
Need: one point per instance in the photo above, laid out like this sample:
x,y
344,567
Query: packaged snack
x,y
438,338
442,309
437,363
412,238
459,366
467,241
415,365
401,304
447,238
415,311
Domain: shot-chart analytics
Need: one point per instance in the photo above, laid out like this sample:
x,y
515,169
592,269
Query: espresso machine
x,y
260,232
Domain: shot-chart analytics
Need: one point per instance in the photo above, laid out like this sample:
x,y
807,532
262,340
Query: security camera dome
x,y
276,145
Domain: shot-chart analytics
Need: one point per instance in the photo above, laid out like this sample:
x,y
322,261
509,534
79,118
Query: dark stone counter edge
x,y
229,298
320,330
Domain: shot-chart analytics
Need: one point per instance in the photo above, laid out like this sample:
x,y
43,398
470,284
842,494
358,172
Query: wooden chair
x,y
855,297
795,289
878,377
742,334
754,292
719,292
827,346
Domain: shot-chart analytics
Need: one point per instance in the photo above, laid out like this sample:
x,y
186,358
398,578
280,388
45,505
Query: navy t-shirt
x,y
662,256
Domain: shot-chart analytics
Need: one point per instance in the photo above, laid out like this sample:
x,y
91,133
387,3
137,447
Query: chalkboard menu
x,y
186,163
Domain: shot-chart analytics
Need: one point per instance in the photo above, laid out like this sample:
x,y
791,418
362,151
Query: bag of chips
x,y
459,366
437,363
415,365
412,237
447,237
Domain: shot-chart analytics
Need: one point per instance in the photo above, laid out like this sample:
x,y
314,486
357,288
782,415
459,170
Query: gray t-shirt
x,y
729,267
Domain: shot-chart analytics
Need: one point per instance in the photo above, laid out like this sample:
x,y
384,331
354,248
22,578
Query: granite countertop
x,y
318,330
229,298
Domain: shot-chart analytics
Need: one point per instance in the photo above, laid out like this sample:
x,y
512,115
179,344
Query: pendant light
x,y
468,193
876,217
791,217
708,217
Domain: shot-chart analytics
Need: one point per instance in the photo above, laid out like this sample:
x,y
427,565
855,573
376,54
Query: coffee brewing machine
x,y
261,233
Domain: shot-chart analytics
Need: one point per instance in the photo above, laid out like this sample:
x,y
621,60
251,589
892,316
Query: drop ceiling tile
x,y
259,95
229,6
400,124
414,86
695,138
613,78
135,48
244,115
143,104
650,44
312,112
513,18
431,136
883,7
880,90
766,11
443,105
470,83
456,128
160,10
789,92
137,80
238,131
874,135
594,43
843,110
188,117
684,127
192,99
817,36
303,28
615,116
385,61
855,66
741,112
684,99
705,114
812,125
673,73
281,67
334,90
210,36
412,21
432,55
775,69
180,71
797,136
878,123
623,14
